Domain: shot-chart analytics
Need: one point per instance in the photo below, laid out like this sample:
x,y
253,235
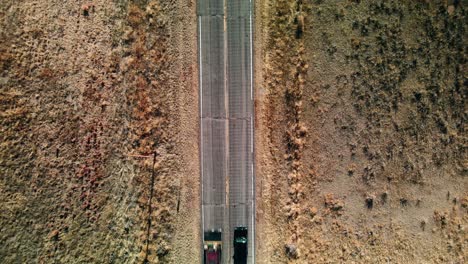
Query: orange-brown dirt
x,y
97,125
360,136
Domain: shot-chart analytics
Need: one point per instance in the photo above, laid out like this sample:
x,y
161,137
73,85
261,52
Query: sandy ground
x,y
361,136
360,131
97,124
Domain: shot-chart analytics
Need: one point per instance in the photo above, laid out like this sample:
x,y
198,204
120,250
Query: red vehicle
x,y
212,247
213,256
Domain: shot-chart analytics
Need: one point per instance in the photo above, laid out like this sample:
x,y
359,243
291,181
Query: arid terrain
x,y
96,126
360,131
361,142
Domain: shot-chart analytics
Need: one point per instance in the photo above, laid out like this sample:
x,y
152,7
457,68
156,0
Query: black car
x,y
240,245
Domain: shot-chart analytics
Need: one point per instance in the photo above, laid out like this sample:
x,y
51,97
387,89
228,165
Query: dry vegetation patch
x,y
89,171
379,85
